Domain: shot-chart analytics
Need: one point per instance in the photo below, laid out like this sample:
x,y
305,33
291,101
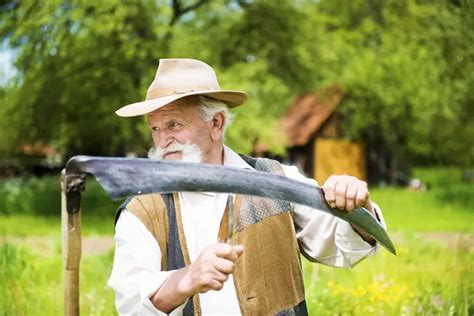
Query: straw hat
x,y
178,78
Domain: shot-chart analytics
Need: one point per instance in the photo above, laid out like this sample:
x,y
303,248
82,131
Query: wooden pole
x,y
71,188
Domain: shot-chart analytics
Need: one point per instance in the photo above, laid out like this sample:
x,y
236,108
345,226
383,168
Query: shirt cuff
x,y
378,215
351,244
151,289
354,247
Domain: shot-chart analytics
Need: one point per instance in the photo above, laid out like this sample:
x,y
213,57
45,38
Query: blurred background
x,y
379,89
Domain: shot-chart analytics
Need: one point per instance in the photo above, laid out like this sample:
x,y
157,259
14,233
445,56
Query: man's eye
x,y
155,129
173,125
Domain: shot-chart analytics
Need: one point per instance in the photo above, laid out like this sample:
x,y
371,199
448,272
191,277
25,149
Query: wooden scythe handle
x,y
71,187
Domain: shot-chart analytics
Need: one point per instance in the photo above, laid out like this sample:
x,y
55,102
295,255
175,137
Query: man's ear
x,y
217,128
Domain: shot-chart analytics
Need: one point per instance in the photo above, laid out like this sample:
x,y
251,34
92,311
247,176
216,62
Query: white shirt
x,y
137,275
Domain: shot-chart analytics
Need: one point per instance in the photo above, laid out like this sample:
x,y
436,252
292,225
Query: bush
x,y
42,196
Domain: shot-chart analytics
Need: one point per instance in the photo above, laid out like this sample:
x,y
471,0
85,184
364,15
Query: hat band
x,y
158,93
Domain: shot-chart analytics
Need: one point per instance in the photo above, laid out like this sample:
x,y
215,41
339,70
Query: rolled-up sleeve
x,y
325,238
136,273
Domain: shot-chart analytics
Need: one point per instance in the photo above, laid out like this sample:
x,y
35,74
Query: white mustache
x,y
190,152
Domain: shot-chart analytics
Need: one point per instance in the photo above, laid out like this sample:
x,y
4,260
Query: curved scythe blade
x,y
121,177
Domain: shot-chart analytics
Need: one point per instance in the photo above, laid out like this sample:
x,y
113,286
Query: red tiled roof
x,y
308,113
37,149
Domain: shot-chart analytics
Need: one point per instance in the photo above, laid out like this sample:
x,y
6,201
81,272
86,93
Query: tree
x,y
77,63
405,68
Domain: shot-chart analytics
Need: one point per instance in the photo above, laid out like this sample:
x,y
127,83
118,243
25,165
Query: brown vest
x,y
268,277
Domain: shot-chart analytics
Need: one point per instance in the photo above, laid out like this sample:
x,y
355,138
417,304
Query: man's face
x,y
179,133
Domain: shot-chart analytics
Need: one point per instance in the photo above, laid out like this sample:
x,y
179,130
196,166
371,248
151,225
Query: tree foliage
x,y
405,67
77,62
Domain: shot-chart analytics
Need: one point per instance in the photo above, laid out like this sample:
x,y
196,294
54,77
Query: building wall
x,y
333,156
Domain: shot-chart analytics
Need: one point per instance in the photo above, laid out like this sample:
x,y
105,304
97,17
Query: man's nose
x,y
164,139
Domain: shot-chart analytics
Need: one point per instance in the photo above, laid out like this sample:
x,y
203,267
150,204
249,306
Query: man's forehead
x,y
178,107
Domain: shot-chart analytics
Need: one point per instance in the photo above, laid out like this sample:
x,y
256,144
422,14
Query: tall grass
x,y
426,278
447,205
430,276
31,283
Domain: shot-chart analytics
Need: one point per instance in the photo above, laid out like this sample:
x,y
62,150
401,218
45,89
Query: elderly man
x,y
171,255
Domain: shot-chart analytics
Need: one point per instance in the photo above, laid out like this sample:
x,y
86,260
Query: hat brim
x,y
232,98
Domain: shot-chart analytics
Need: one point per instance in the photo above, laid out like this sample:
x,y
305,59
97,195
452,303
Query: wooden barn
x,y
316,145
313,129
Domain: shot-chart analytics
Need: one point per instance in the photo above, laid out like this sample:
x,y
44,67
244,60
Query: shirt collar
x,y
232,159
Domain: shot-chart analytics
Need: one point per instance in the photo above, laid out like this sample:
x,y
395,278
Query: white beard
x,y
190,152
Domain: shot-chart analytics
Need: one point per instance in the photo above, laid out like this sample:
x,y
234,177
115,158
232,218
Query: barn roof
x,y
305,117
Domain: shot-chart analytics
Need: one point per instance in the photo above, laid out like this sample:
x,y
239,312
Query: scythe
x,y
151,176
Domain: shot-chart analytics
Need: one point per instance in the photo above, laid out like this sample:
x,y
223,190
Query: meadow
x,y
433,273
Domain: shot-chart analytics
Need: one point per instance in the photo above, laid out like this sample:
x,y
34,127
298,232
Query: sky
x,y
7,70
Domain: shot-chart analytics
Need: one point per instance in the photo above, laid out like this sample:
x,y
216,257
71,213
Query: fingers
x,y
221,277
362,195
239,249
228,251
329,189
351,197
345,192
211,281
215,285
224,265
212,268
335,190
341,190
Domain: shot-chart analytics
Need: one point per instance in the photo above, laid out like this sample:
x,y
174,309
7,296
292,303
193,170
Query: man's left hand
x,y
347,193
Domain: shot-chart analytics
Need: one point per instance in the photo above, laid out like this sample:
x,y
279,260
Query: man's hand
x,y
347,193
211,269
208,272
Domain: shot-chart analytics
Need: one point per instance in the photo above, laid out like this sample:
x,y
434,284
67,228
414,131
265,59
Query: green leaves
x,y
79,62
400,67
405,68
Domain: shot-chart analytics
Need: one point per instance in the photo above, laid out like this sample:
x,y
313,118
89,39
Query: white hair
x,y
190,152
209,107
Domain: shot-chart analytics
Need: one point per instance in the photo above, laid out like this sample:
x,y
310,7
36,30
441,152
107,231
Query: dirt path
x,y
47,245
453,240
95,245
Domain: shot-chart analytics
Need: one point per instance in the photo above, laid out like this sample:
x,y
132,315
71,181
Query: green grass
x,y
32,283
35,225
425,278
420,211
430,275
448,204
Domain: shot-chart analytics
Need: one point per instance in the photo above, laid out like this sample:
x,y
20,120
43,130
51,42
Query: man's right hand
x,y
210,270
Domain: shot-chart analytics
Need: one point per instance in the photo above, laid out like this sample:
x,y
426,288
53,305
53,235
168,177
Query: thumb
x,y
238,250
